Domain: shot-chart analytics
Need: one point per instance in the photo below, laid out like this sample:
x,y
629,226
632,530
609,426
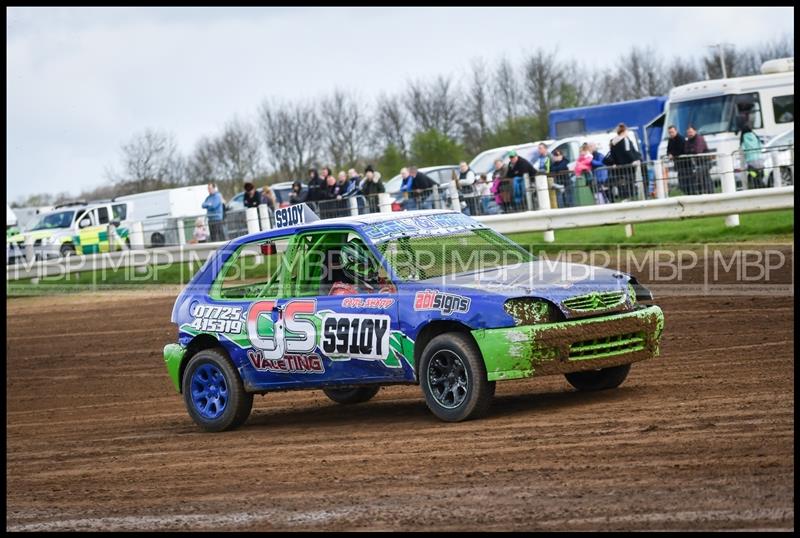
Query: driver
x,y
360,272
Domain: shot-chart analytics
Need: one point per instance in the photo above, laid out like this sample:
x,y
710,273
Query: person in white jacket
x,y
466,187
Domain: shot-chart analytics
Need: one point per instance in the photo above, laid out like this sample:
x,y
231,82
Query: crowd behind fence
x,y
685,175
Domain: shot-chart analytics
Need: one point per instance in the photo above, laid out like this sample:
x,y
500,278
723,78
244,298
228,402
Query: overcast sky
x,y
80,82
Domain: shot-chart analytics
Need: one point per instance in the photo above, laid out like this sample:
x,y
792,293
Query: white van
x,y
717,107
159,211
483,163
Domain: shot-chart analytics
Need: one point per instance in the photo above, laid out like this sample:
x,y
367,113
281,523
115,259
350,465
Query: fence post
x,y
638,178
777,180
353,203
455,199
728,180
179,226
661,180
384,202
629,230
111,233
526,180
263,217
437,202
251,214
137,236
543,195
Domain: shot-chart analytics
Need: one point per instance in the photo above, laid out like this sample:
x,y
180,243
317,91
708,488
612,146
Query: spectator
x,y
354,185
324,173
751,147
501,187
316,186
484,195
422,188
251,196
583,167
298,195
695,145
372,187
214,206
542,161
406,180
268,197
517,167
466,187
676,147
599,175
622,175
562,177
200,233
583,164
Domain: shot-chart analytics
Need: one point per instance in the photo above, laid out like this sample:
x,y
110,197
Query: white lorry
x,y
166,213
717,108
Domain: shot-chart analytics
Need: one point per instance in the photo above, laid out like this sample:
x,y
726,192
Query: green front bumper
x,y
173,355
571,346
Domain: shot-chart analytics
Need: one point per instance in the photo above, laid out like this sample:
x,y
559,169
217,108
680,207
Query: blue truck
x,y
645,116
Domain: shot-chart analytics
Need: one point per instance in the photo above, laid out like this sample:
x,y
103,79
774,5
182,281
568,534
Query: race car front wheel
x,y
607,378
453,378
352,395
213,392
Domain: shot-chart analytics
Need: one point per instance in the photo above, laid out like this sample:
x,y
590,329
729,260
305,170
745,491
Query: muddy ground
x,y
699,438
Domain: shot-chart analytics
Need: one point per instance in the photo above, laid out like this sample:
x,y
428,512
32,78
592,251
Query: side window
x,y
102,215
254,271
86,215
120,211
347,267
783,107
748,109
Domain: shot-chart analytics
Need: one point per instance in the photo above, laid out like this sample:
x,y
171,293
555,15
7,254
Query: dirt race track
x,y
699,438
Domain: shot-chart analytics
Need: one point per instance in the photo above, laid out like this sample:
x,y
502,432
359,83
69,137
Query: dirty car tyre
x,y
452,375
606,378
213,391
352,395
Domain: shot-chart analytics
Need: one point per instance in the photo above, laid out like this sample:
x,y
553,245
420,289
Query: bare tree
x,y
506,91
543,83
345,128
291,134
476,119
433,106
201,166
683,71
150,160
391,124
237,153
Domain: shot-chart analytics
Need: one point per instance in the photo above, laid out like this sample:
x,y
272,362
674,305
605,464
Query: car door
x,y
358,336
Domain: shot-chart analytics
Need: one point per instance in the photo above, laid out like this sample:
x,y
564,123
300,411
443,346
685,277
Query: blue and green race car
x,y
434,298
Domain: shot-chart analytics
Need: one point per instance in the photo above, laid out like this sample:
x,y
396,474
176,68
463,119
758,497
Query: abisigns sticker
x,y
446,303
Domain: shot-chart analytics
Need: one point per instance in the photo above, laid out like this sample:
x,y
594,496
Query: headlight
x,y
631,294
528,311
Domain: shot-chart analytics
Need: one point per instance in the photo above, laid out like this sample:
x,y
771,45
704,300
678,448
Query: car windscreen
x,y
61,219
469,251
713,115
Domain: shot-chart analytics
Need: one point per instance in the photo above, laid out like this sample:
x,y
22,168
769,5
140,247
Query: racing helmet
x,y
358,265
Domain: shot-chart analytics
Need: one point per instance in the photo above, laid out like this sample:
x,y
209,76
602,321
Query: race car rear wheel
x,y
607,378
453,378
352,395
213,392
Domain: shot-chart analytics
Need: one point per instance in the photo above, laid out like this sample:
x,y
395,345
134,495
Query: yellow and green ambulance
x,y
74,228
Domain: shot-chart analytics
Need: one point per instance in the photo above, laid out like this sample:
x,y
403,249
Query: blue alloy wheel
x,y
209,391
